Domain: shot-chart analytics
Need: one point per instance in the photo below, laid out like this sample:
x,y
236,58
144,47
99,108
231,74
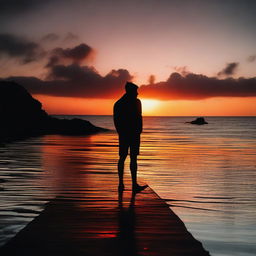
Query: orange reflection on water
x,y
86,184
195,172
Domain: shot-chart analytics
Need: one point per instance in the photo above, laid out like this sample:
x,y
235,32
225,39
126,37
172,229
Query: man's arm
x,y
140,122
119,118
116,117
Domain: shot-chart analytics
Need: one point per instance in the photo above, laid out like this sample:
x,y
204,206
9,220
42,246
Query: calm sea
x,y
207,174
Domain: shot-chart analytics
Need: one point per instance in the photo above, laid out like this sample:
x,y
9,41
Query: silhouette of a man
x,y
128,123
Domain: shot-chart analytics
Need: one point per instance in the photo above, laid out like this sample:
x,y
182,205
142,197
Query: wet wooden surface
x,y
95,219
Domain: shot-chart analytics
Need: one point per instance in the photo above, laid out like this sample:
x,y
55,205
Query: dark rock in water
x,y
21,115
198,121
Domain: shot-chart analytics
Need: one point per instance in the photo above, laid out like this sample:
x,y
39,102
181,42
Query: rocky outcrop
x,y
21,115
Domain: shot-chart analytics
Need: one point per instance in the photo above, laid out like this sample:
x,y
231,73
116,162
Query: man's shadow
x,y
126,226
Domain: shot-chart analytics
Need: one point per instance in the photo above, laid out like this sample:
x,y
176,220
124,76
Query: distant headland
x,y
22,116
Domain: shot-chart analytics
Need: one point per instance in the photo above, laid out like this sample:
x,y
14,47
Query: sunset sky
x,y
190,57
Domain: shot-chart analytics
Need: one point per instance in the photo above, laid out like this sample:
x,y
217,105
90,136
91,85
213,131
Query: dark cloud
x,y
182,70
73,72
196,86
251,58
75,55
51,37
17,47
77,81
69,78
11,7
70,36
229,70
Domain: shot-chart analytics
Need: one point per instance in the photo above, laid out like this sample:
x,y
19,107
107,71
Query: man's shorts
x,y
131,141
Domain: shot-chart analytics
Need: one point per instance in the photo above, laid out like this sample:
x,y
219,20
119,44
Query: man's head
x,y
131,89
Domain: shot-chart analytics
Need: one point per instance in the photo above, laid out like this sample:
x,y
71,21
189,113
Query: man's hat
x,y
130,87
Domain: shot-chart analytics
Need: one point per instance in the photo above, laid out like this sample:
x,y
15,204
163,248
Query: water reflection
x,y
207,174
23,185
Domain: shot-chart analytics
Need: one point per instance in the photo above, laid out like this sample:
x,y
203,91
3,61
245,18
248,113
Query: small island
x,y
198,121
22,116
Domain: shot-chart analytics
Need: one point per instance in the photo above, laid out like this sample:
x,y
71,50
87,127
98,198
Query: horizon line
x,y
157,115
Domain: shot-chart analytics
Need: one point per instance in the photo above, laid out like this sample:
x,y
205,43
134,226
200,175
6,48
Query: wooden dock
x,y
97,220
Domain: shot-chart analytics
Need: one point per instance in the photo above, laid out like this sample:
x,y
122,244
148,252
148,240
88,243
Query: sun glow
x,y
149,107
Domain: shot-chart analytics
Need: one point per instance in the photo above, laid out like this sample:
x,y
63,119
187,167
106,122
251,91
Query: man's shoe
x,y
137,188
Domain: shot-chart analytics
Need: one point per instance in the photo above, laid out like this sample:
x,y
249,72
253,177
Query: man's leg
x,y
133,168
123,152
134,152
121,170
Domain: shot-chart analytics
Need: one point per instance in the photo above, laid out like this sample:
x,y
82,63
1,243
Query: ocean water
x,y
207,174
